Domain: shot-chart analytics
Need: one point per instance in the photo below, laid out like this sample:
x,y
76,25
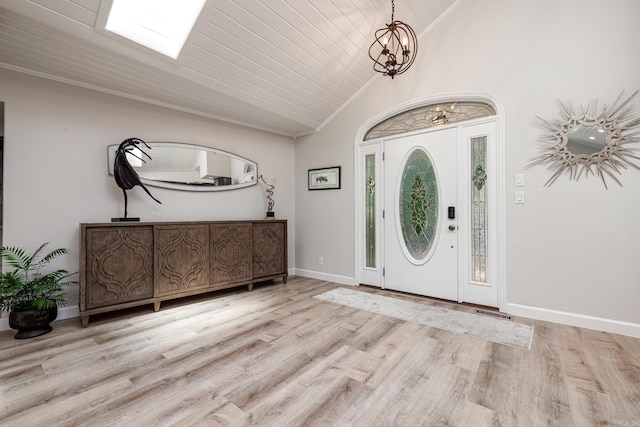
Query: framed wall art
x,y
324,178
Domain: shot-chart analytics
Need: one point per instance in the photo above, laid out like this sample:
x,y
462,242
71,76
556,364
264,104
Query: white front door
x,y
420,204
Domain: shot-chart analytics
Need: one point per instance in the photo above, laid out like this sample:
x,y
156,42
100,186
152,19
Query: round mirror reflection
x,y
583,139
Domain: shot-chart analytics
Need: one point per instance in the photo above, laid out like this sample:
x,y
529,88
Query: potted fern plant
x,y
30,295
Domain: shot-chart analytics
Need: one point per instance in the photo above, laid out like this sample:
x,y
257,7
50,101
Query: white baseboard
x,y
63,313
573,319
343,280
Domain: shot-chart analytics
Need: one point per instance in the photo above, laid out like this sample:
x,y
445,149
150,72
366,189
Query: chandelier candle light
x,y
395,47
270,213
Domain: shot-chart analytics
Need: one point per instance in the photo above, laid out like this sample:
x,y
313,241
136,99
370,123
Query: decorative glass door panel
x,y
479,239
418,206
370,210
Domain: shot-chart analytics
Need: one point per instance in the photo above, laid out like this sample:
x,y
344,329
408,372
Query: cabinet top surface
x,y
152,223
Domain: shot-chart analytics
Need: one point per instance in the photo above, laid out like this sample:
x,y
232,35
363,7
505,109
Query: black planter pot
x,y
31,322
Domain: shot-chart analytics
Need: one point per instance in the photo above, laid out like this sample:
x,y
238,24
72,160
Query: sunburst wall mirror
x,y
588,140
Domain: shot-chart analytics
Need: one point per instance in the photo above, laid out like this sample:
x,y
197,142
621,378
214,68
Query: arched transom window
x,y
428,116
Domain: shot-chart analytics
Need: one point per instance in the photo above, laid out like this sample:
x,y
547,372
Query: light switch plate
x,y
519,180
519,197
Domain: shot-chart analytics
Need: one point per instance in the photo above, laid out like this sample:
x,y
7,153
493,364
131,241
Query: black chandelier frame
x,y
395,47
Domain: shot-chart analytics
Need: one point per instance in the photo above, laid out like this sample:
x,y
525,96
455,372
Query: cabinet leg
x,y
284,279
250,287
84,320
156,306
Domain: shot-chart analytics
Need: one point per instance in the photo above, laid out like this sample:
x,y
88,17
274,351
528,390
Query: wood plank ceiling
x,y
285,66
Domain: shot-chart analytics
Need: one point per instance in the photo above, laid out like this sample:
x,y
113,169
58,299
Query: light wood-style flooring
x,y
275,356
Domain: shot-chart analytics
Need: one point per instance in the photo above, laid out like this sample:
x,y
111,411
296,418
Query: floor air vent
x,y
494,314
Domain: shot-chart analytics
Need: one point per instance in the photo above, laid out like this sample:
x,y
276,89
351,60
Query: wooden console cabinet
x,y
129,264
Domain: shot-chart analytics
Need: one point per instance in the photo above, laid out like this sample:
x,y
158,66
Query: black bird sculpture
x,y
126,177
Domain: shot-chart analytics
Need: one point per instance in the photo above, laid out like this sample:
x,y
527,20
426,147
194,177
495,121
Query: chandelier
x,y
395,47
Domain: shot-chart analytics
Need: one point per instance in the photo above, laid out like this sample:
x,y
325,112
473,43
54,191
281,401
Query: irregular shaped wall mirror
x,y
190,167
590,141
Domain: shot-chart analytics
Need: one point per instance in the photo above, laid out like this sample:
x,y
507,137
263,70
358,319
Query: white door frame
x,y
499,171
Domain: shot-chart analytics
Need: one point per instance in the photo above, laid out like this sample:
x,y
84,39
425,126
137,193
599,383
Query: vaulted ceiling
x,y
284,66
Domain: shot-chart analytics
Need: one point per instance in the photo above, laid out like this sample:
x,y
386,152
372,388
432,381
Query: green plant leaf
x,y
26,285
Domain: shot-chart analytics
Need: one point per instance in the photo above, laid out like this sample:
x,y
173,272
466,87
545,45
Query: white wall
x,y
55,165
572,248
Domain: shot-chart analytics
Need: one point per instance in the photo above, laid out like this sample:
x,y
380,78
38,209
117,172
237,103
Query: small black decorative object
x,y
126,177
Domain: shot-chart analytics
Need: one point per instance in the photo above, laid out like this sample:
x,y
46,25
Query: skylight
x,y
162,25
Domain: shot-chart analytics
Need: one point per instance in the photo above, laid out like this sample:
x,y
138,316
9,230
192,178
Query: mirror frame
x,y
111,153
618,120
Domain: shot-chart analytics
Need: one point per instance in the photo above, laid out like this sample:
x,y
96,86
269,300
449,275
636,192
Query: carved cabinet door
x,y
269,250
119,266
230,253
181,258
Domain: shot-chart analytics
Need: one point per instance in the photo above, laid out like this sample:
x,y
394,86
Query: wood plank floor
x,y
278,357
